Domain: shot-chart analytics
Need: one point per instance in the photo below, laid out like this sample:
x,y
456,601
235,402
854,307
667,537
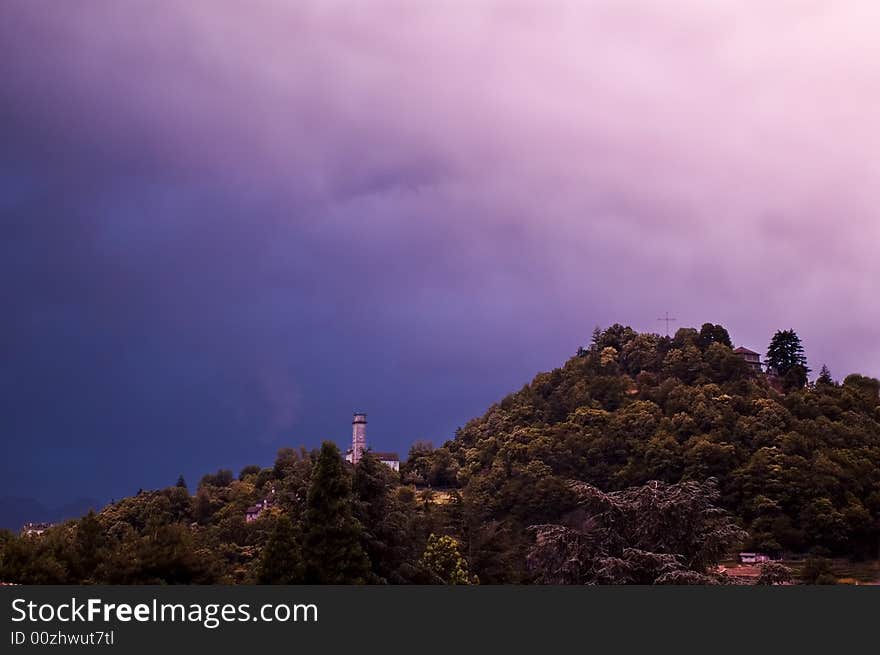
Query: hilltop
x,y
797,463
643,459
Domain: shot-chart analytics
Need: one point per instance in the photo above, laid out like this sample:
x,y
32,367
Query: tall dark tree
x,y
785,356
332,550
181,482
87,550
387,522
281,561
371,485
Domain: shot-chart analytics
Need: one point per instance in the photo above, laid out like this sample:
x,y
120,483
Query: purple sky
x,y
226,226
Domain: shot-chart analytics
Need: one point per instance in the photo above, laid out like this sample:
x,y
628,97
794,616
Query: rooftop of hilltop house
x,y
750,357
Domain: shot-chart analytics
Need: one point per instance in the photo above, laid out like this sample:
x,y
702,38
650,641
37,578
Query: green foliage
x,y
865,391
222,478
785,356
419,463
251,470
654,534
89,542
388,536
442,558
800,470
281,561
597,471
825,376
332,549
818,570
774,573
710,334
163,554
285,462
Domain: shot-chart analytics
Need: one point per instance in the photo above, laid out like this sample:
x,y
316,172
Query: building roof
x,y
254,509
745,351
387,457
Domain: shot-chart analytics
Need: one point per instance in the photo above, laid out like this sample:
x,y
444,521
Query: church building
x,y
359,444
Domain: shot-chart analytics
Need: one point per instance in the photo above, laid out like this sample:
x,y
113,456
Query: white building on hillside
x,y
359,444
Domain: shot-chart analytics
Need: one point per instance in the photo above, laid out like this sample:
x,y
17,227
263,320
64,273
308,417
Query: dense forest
x,y
644,459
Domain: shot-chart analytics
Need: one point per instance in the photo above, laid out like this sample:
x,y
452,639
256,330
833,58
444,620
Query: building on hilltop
x,y
253,512
358,438
750,357
359,444
391,460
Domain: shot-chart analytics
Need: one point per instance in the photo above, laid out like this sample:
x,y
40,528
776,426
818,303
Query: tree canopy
x,y
643,459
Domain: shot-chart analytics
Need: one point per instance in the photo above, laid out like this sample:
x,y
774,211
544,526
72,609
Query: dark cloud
x,y
227,226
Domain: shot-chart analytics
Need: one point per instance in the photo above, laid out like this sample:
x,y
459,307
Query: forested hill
x,y
798,463
644,459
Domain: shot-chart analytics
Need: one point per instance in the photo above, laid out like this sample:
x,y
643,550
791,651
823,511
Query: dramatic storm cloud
x,y
226,226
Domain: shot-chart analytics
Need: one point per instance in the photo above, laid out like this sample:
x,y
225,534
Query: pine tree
x,y
371,488
387,522
181,482
332,550
785,355
281,561
825,376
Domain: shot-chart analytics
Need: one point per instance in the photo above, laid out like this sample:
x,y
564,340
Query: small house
x,y
753,558
253,513
391,460
750,357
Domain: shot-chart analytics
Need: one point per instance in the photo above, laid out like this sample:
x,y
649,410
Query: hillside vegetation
x,y
799,467
644,459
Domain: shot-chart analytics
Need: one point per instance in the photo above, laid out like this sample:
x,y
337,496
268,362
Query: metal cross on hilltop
x,y
668,319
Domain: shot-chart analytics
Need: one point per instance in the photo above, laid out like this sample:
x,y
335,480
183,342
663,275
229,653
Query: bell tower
x,y
358,436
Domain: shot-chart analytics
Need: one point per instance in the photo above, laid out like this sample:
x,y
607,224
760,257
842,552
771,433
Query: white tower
x,y
358,437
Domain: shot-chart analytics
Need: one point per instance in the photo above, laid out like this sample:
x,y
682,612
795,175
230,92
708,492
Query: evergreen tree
x,y
386,535
181,482
281,561
371,486
786,356
825,376
332,550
